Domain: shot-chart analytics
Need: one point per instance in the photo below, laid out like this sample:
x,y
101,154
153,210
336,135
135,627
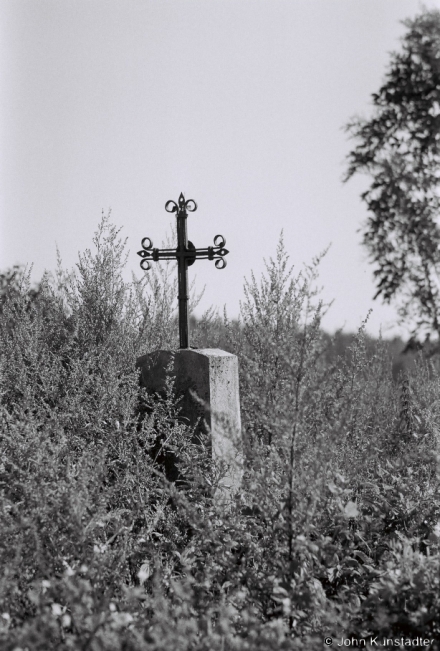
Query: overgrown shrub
x,y
335,531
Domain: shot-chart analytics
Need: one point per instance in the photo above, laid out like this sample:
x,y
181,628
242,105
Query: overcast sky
x,y
240,104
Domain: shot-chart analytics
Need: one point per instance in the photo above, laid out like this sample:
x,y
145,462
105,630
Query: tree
x,y
399,148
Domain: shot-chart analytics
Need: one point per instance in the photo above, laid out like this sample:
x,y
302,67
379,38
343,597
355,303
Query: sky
x,y
239,104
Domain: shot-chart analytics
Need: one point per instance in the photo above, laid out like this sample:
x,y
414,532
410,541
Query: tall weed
x,y
334,532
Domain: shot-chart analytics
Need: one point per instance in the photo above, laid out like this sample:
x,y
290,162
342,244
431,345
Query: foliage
x,y
399,148
335,531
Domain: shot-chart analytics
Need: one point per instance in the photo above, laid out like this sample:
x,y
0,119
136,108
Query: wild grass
x,y
335,531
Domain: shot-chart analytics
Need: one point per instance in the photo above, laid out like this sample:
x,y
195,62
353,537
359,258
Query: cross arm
x,y
191,254
216,252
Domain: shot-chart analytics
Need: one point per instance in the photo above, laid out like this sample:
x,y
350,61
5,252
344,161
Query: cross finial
x,y
185,254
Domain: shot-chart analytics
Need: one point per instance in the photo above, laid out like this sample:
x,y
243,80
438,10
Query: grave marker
x,y
206,378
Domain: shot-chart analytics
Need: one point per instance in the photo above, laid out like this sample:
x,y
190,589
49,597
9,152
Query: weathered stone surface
x,y
212,375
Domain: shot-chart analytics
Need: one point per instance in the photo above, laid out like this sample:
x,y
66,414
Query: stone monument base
x,y
207,381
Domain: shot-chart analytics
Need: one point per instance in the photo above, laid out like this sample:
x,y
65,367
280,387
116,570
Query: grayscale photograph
x,y
219,325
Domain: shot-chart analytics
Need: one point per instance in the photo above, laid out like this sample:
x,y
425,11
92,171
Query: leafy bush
x,y
335,531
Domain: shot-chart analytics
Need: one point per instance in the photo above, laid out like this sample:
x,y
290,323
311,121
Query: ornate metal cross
x,y
185,254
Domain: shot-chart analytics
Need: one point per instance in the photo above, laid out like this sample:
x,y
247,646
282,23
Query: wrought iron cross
x,y
185,254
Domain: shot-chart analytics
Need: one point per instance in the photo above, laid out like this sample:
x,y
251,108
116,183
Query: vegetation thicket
x,y
334,533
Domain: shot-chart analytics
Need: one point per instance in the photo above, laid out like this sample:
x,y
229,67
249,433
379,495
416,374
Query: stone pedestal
x,y
207,380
